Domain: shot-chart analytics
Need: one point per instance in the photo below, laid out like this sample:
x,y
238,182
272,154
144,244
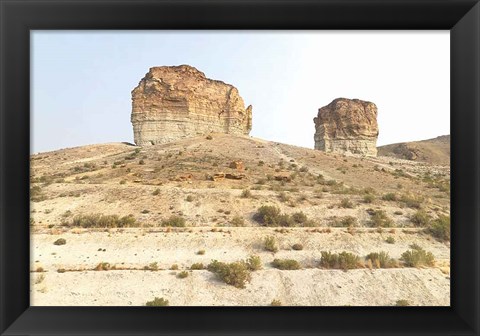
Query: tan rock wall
x,y
175,102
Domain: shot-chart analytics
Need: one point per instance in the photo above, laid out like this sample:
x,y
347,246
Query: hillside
x,y
216,185
435,151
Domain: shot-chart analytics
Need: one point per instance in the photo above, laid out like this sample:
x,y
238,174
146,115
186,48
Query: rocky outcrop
x,y
175,102
347,126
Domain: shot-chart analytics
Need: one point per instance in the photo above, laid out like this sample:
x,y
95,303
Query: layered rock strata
x,y
347,126
175,102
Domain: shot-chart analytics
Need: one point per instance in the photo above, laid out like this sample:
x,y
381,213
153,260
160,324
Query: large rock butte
x,y
175,102
347,126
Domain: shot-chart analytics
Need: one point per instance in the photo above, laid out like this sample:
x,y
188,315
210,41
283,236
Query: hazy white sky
x,y
82,80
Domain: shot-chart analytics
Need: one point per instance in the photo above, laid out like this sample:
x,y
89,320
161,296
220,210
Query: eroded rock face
x,y
347,126
175,102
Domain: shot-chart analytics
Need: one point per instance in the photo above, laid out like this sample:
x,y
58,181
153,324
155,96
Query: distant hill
x,y
434,151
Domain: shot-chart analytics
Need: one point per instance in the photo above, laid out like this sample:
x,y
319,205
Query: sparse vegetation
x,y
297,247
346,203
368,198
236,274
286,264
418,257
254,263
390,240
237,221
276,303
402,303
197,267
60,241
182,275
246,193
346,221
392,197
104,221
157,302
174,221
379,219
440,228
201,252
343,260
270,244
189,198
420,218
381,260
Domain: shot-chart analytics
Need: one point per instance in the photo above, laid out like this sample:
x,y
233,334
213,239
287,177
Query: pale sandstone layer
x,y
347,126
175,102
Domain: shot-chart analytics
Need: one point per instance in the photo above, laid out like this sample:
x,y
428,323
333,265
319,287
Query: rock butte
x,y
347,126
176,102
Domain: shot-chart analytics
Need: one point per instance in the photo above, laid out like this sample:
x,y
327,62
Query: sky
x,y
82,80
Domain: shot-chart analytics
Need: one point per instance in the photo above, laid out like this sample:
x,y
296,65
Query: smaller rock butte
x,y
347,126
175,102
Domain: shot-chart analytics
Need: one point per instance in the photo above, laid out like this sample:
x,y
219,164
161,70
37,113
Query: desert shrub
x,y
368,198
347,221
381,259
121,182
270,244
104,221
174,221
276,303
60,241
402,303
304,169
346,203
201,252
156,192
237,221
236,274
189,198
297,247
174,267
197,267
182,275
141,162
151,267
398,213
103,266
417,257
343,260
157,302
390,240
286,264
267,215
209,137
283,197
440,228
36,194
61,270
246,193
254,263
420,218
390,197
379,219
299,218
411,201
145,211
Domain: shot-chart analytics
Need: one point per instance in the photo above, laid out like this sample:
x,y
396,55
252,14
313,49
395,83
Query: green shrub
x,y
60,241
286,264
270,244
174,221
246,193
402,303
440,228
368,198
390,240
347,221
379,219
237,221
381,260
346,203
236,274
343,260
267,215
197,267
254,263
182,275
417,257
297,247
103,221
420,218
157,302
390,197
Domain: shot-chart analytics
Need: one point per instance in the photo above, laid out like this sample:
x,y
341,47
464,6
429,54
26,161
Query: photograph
x,y
240,168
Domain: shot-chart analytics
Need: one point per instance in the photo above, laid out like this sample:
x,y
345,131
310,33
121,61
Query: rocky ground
x,y
216,185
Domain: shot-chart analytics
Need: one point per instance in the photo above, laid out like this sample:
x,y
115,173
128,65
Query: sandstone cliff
x,y
347,126
175,102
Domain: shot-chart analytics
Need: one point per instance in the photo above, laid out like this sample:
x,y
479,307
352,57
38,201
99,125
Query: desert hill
x,y
215,186
435,151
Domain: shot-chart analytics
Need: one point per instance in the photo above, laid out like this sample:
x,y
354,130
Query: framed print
x,y
238,167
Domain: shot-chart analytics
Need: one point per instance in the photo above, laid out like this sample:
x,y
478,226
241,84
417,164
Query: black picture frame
x,y
18,17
